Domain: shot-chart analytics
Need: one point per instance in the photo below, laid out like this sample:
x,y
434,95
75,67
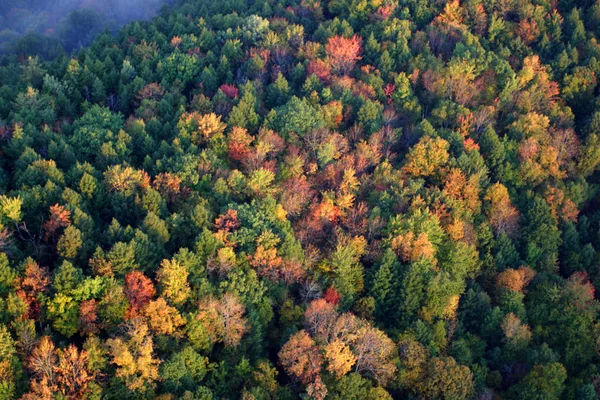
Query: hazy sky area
x,y
72,22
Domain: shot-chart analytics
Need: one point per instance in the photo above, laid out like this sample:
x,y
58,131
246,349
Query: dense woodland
x,y
282,199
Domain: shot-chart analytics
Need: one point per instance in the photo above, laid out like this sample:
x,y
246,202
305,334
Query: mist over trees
x,y
42,25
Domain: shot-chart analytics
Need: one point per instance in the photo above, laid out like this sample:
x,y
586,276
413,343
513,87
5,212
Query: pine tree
x,y
415,280
244,113
70,243
381,288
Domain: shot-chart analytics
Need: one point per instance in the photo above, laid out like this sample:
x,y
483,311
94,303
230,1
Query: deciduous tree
x,y
503,216
139,290
343,53
300,357
134,357
427,157
172,278
162,318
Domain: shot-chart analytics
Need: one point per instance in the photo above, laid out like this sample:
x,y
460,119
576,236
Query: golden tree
x,y
339,357
133,357
172,278
427,157
503,216
162,318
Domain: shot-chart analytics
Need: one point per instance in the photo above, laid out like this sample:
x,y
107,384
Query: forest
x,y
304,199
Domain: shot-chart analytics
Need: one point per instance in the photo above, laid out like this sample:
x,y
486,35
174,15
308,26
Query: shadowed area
x,y
42,25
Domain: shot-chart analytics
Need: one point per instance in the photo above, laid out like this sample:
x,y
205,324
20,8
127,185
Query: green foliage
x,y
66,278
184,371
243,114
63,311
348,273
97,128
543,382
179,68
69,243
297,116
542,235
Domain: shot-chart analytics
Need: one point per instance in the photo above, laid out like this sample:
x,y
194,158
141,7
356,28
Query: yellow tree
x,y
201,127
73,377
162,318
133,357
503,216
427,157
339,357
172,278
42,363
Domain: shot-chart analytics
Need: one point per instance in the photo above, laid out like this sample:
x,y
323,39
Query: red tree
x,y
228,221
139,289
229,90
88,317
320,68
332,296
343,53
59,218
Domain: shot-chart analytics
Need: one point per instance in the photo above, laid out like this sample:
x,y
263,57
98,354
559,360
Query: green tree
x,y
541,234
66,278
381,288
184,370
543,382
297,116
244,113
278,91
63,312
348,272
370,116
69,243
97,127
445,379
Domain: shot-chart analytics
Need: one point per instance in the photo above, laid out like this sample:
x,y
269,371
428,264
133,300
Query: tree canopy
x,y
281,199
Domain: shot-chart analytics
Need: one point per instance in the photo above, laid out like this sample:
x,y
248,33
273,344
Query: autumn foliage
x,y
515,279
223,319
504,217
343,53
300,199
59,218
